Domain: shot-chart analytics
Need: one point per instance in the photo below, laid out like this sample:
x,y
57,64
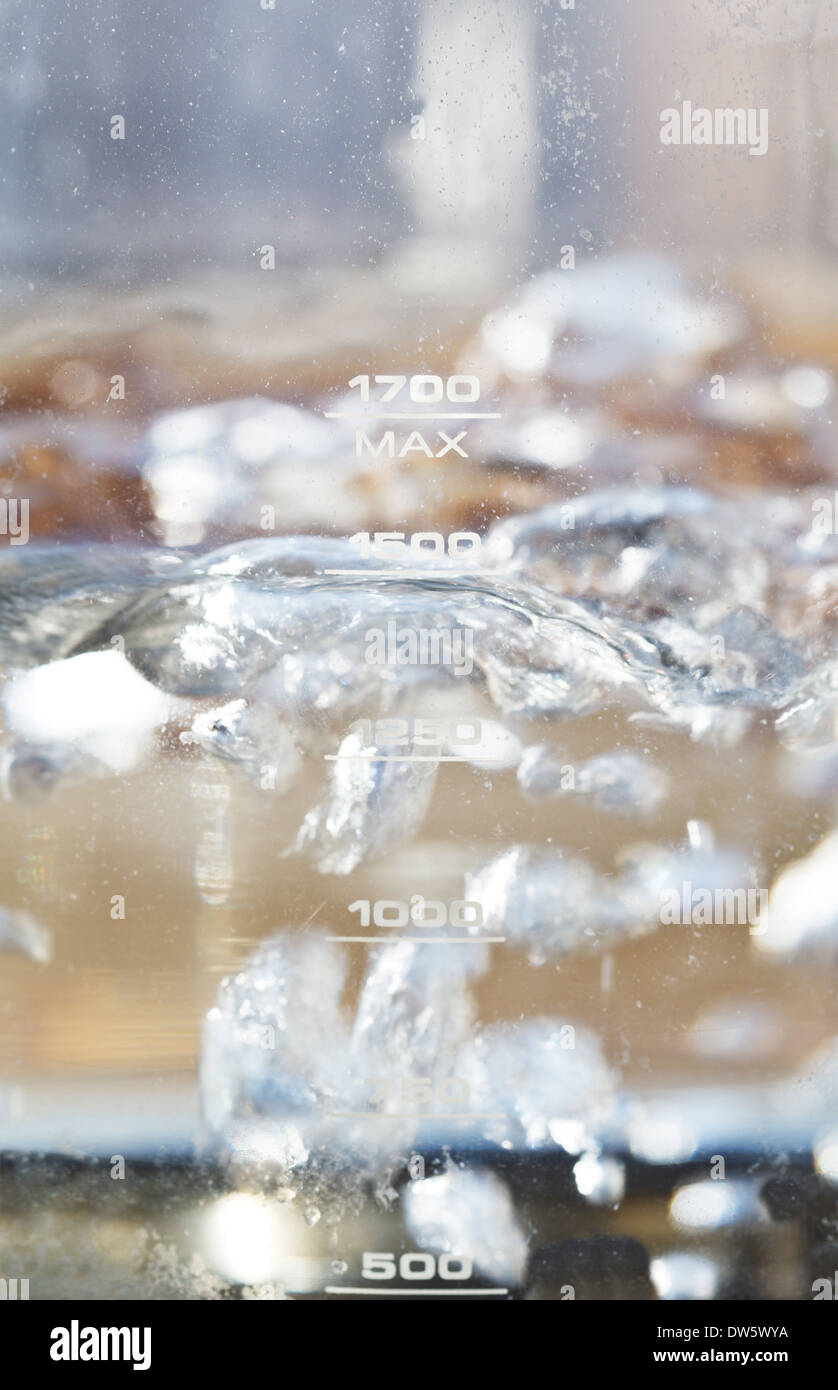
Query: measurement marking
x,y
426,1293
405,758
408,574
424,940
408,1115
446,415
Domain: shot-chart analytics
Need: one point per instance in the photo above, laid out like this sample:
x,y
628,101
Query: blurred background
x,y
407,165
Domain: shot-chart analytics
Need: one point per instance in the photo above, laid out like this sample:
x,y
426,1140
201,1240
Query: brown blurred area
x,y
76,450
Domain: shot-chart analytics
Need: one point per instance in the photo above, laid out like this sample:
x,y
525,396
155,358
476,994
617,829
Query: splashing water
x,y
372,806
620,782
469,1213
249,736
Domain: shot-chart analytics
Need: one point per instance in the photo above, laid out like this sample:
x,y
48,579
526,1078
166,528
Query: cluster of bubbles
x,y
703,613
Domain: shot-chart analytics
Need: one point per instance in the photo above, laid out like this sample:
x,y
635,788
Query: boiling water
x,y
465,883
